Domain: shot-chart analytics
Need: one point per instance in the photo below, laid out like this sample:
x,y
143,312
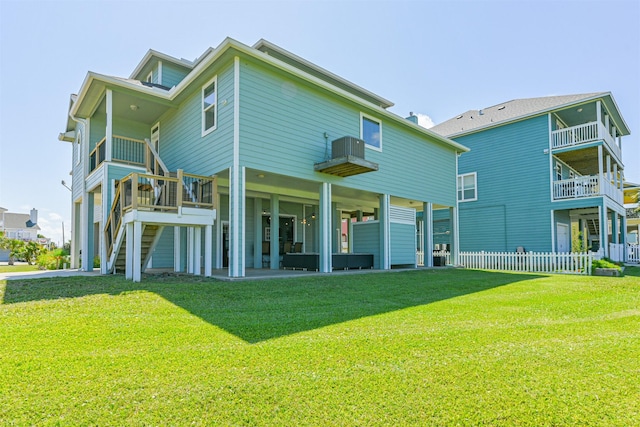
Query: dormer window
x,y
209,106
150,77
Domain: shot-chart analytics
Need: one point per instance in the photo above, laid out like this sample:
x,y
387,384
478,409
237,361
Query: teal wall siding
x,y
366,239
282,127
403,244
172,74
485,229
97,130
512,173
163,252
181,142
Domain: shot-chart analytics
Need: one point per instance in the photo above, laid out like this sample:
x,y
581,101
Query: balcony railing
x,y
583,134
124,150
585,186
158,193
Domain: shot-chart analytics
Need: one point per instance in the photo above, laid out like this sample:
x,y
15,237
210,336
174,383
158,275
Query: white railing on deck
x,y
633,253
585,186
533,262
582,134
580,186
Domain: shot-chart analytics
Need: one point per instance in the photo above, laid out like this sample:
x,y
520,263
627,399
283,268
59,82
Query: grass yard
x,y
427,347
17,268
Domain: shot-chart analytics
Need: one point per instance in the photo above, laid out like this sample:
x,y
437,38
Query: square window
x,y
371,132
467,185
209,104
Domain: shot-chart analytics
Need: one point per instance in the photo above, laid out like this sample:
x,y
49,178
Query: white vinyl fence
x,y
535,262
440,258
633,253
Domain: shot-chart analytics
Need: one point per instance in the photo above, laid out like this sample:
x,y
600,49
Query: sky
x,y
436,59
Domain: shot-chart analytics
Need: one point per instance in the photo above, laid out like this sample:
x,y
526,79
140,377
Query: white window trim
x,y
155,138
362,116
215,107
475,181
150,77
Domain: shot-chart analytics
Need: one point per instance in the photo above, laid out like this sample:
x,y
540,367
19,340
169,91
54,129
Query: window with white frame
x,y
209,106
558,171
150,77
467,187
371,132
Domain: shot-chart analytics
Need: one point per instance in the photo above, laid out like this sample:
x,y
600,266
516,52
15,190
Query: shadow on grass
x,y
260,310
632,271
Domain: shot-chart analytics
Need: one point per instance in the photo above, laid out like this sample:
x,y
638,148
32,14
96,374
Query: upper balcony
x,y
125,150
583,134
585,186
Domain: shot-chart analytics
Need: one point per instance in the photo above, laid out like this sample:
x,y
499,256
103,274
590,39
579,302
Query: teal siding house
x,y
543,174
248,157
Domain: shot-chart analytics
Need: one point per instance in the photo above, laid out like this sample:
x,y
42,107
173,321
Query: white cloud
x,y
425,121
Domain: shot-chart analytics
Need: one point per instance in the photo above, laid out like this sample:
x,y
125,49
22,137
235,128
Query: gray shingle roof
x,y
507,111
18,221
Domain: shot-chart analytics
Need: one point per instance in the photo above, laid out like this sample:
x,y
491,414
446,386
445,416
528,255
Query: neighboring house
x,y
542,174
632,205
18,226
242,156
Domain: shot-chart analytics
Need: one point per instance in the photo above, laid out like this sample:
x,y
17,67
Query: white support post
x,y
608,168
455,236
137,251
109,129
600,169
208,243
604,228
427,233
177,262
197,251
274,245
190,238
385,232
257,233
128,270
325,262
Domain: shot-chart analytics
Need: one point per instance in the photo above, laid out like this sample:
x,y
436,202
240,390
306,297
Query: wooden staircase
x,y
594,228
150,236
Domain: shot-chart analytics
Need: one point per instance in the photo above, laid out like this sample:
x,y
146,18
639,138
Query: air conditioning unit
x,y
347,146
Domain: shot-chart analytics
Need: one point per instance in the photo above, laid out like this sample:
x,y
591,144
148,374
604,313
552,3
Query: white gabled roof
x,y
517,109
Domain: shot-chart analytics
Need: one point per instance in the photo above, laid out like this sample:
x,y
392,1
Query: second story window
x,y
209,106
558,171
467,186
79,148
371,132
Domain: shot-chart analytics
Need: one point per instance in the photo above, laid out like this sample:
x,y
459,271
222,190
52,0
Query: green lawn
x,y
429,347
17,268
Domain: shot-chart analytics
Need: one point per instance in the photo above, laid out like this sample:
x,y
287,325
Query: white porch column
x,y
208,244
197,251
177,243
237,221
257,233
604,228
190,237
600,169
608,169
324,219
128,269
455,236
137,251
109,129
87,232
274,244
385,232
427,233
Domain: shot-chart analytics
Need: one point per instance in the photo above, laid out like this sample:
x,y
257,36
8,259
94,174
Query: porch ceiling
x,y
263,184
584,161
130,107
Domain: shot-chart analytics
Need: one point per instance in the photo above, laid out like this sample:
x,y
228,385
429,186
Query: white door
x,y
563,238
